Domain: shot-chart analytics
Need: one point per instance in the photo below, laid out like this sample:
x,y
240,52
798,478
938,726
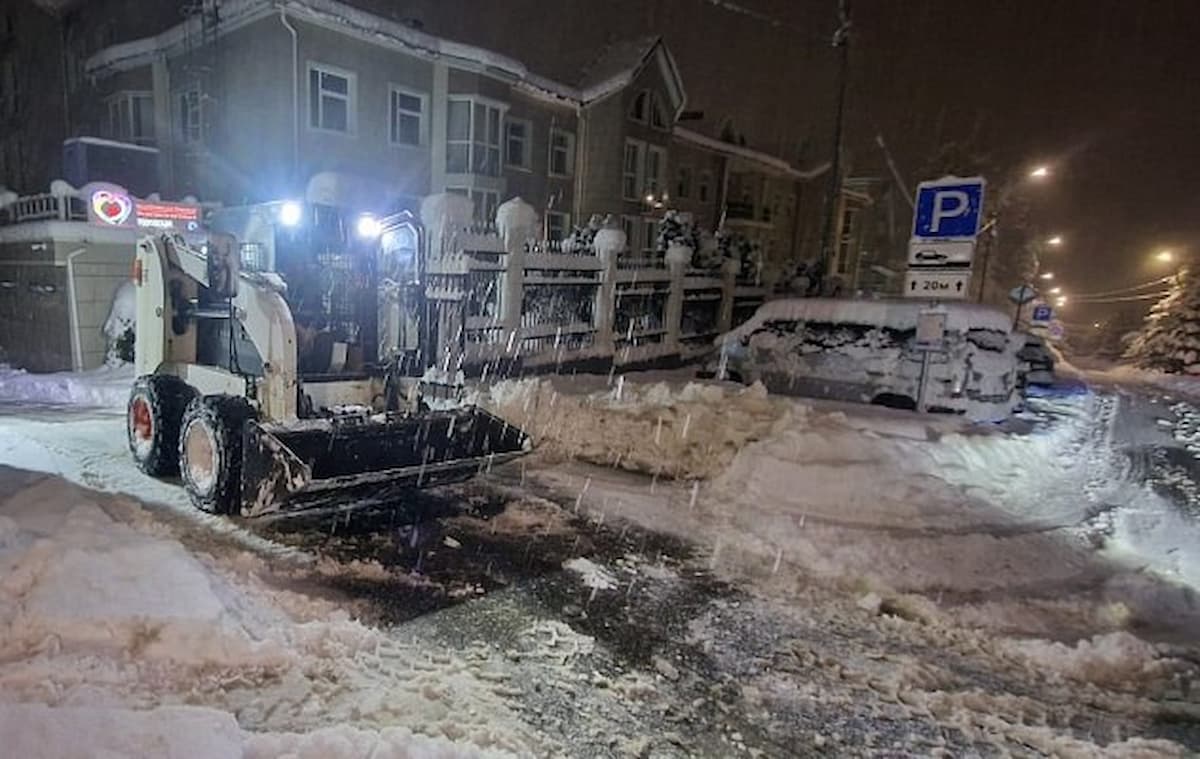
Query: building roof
x,y
619,63
756,156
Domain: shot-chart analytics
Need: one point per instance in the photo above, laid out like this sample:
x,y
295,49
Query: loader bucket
x,y
354,460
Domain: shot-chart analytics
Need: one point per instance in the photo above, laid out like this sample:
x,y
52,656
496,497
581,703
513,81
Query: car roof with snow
x,y
894,314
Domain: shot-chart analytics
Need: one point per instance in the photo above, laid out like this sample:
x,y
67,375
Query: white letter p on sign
x,y
948,204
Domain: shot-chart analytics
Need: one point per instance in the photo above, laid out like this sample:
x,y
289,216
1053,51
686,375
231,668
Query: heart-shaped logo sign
x,y
111,207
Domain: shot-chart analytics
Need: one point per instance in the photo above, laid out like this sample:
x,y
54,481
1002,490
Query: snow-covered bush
x,y
677,229
582,238
1169,341
119,327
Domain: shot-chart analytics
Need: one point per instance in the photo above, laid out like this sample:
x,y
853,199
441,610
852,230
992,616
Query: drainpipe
x,y
295,94
76,345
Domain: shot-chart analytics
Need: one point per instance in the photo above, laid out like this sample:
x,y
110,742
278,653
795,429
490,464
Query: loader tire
x,y
210,451
152,419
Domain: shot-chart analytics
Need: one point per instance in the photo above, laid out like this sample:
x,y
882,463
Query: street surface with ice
x,y
680,569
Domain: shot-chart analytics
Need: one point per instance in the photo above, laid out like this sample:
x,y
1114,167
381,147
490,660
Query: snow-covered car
x,y
1036,363
868,352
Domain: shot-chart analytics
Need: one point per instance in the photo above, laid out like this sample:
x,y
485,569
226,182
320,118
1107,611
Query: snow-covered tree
x,y
1169,341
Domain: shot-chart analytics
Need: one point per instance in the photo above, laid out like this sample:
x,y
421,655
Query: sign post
x,y
946,219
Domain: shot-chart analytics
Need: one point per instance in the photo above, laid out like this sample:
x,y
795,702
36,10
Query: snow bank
x,y
1183,384
1112,658
689,431
346,742
37,731
106,387
103,617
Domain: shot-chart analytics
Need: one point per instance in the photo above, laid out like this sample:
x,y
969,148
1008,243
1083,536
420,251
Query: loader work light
x,y
368,226
290,213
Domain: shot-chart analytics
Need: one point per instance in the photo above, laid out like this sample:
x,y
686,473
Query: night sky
x,y
1107,91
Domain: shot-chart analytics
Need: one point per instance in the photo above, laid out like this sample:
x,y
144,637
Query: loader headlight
x,y
290,213
368,226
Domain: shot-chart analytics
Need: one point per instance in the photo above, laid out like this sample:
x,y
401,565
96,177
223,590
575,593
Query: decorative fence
x,y
536,306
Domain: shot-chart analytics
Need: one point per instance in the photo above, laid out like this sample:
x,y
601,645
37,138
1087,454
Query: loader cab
x,y
352,282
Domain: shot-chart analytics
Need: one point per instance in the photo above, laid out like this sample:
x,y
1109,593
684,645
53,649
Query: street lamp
x,y
1040,172
1164,256
1060,301
1047,275
1055,241
1055,290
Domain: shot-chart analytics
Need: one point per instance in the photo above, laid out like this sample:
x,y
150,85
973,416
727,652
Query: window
x,y
631,172
406,124
131,117
485,202
640,107
558,225
473,138
658,115
191,126
562,153
517,136
703,188
683,182
458,191
656,163
331,99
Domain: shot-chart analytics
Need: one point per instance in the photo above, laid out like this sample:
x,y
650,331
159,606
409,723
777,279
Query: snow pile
x,y
592,575
1111,658
107,387
351,742
1182,384
37,731
112,618
687,432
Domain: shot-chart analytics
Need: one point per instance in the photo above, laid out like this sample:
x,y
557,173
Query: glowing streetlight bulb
x,y
1040,172
1055,290
1047,275
1096,325
1060,300
1164,256
1055,241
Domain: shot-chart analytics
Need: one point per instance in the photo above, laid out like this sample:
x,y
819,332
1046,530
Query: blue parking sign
x,y
949,208
1042,314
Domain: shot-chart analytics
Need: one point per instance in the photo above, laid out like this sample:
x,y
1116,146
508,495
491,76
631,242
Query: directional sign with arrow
x,y
937,285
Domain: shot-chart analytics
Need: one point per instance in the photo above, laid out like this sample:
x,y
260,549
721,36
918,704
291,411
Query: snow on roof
x,y
100,141
619,63
894,314
339,17
765,159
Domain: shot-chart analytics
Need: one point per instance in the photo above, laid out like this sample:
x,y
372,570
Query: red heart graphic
x,y
111,209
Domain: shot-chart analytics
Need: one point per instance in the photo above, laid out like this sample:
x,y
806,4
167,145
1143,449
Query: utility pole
x,y
841,39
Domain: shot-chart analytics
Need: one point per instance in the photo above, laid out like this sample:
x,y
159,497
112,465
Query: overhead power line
x,y
1147,296
1127,290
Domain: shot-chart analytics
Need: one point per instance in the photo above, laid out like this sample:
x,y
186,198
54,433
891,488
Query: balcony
x,y
43,207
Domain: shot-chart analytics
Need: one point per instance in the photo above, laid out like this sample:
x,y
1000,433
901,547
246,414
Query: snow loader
x,y
285,370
